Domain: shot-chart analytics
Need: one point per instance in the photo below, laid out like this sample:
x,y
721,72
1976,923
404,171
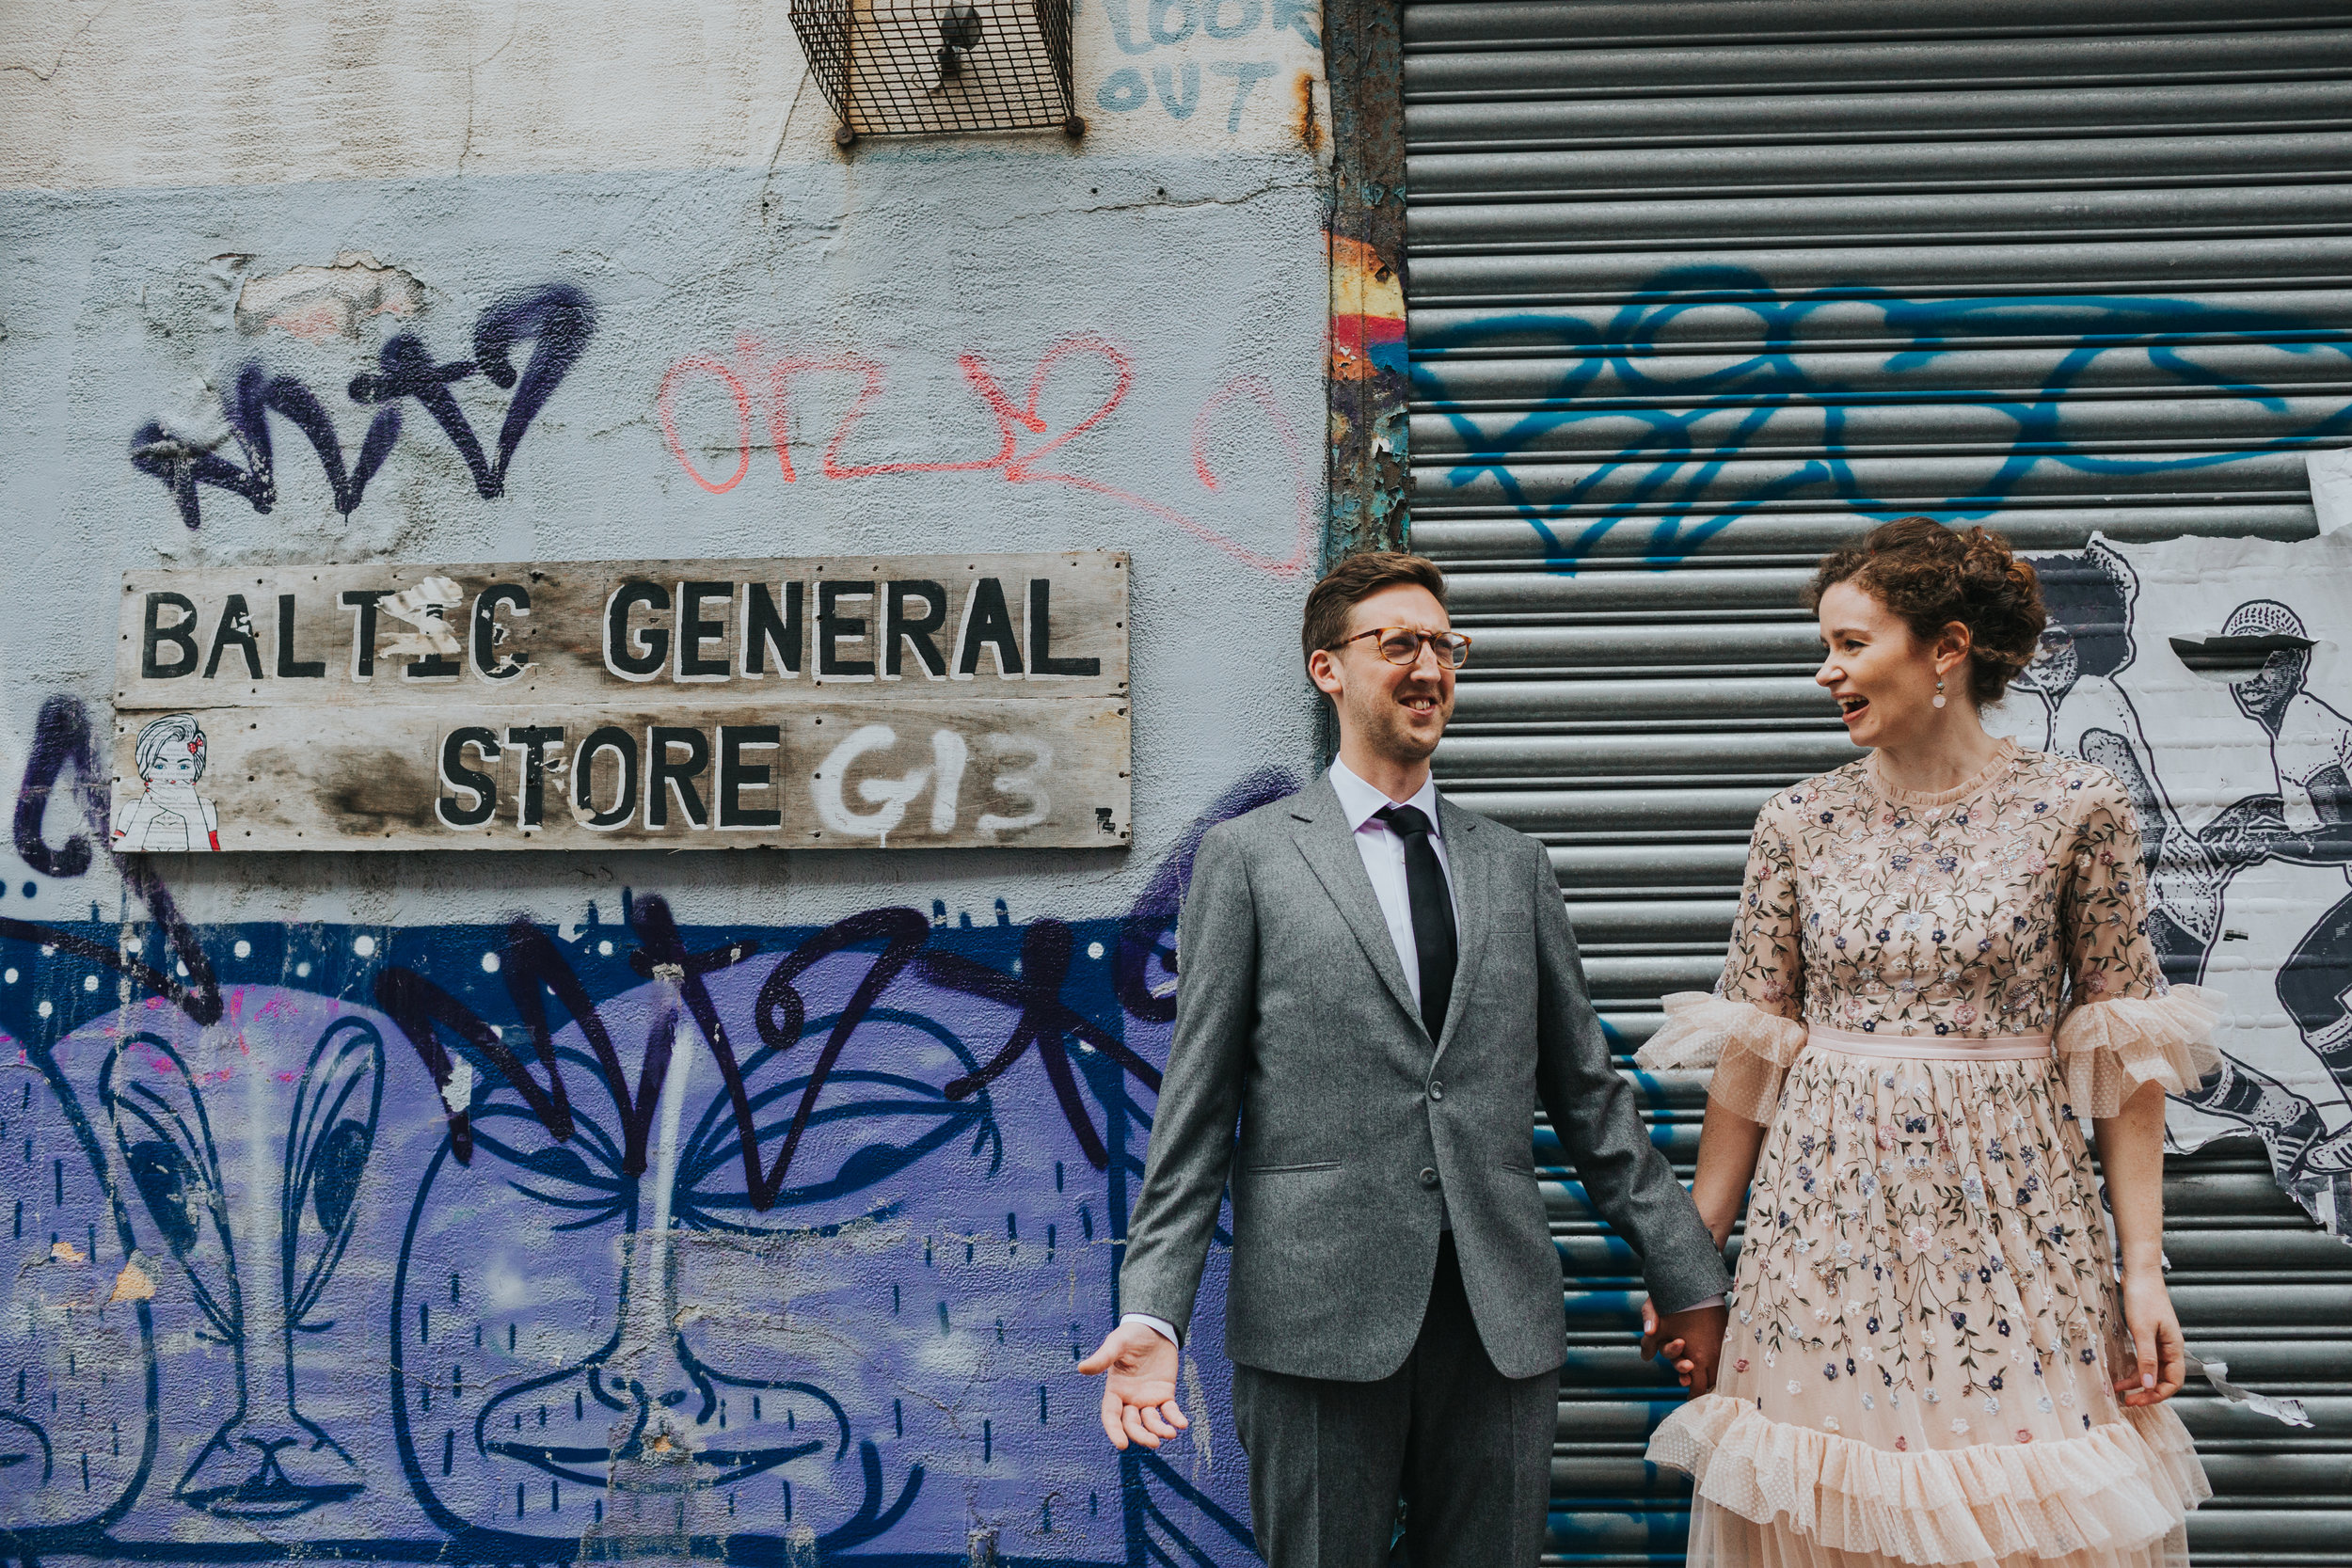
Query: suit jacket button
x,y
1437,1091
1428,1176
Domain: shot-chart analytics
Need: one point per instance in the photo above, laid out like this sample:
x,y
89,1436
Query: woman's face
x,y
1881,675
175,762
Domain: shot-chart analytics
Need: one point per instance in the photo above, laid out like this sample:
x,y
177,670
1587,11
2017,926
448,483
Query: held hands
x,y
2162,1362
1140,1395
1691,1341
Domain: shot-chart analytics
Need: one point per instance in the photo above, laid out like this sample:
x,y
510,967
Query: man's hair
x,y
1353,581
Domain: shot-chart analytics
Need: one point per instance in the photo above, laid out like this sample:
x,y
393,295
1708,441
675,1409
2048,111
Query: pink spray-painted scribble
x,y
757,373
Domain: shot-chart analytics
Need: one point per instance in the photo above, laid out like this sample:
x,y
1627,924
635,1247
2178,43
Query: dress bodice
x,y
2015,904
1983,910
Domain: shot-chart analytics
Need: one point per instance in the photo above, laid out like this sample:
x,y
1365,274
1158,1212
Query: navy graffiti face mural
x,y
511,1244
266,1460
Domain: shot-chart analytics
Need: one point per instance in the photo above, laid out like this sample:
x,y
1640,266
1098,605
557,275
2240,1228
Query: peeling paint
x,y
132,1283
317,304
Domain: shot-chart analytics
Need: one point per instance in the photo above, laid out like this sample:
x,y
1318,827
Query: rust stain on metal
x,y
1366,460
1310,133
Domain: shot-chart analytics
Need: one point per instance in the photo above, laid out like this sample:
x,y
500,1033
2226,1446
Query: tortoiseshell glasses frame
x,y
1403,645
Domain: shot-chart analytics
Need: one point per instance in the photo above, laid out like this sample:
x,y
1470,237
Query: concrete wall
x,y
263,1295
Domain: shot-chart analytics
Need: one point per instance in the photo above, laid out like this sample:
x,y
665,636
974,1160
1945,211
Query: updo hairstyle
x,y
1931,576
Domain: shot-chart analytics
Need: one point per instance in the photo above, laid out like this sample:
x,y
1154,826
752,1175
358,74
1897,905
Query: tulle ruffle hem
x,y
2106,1049
1748,1048
1797,1497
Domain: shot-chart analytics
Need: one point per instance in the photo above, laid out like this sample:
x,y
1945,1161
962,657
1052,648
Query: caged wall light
x,y
908,68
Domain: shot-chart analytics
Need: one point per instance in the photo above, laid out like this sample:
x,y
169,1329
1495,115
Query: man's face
x,y
2281,677
1398,710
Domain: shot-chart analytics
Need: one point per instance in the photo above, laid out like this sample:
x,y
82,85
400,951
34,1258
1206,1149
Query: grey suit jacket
x,y
1293,1015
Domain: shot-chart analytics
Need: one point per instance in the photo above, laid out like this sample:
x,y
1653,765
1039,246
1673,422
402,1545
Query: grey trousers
x,y
1469,1449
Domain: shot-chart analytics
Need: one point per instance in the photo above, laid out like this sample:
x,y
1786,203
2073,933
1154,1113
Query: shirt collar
x,y
1360,800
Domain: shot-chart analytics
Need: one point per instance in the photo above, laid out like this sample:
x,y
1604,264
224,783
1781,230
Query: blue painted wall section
x,y
518,1243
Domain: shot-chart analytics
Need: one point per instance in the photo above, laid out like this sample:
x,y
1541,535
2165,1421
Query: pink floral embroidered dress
x,y
1927,997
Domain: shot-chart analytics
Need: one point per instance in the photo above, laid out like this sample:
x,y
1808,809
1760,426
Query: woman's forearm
x,y
2131,1147
1729,1145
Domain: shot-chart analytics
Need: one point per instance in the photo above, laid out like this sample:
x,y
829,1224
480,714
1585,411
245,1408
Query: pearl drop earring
x,y
1939,692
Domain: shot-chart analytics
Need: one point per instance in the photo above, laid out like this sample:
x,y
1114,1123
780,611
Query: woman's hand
x,y
2156,1340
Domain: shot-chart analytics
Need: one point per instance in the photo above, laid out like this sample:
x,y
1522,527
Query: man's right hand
x,y
1139,1393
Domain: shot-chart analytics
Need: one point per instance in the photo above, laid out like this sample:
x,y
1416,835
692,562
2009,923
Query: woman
x,y
1940,969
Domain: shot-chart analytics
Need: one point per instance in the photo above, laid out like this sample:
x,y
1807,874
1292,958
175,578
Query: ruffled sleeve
x,y
1748,1048
1751,1028
2123,1025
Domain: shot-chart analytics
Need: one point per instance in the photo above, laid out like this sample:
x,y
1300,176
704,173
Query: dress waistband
x,y
1952,1048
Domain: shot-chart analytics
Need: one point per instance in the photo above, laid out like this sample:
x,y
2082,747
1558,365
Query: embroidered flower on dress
x,y
1741,1366
1829,1423
1902,1444
1960,1424
2024,1437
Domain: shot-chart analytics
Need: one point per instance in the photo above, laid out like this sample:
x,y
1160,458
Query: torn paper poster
x,y
426,607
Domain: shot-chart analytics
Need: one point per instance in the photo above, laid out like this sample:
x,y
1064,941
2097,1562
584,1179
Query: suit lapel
x,y
1330,852
1468,862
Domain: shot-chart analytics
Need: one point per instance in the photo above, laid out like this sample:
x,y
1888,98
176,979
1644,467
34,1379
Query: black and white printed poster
x,y
2207,674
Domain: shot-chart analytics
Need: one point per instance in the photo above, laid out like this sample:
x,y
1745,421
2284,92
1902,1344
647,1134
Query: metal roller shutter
x,y
1696,291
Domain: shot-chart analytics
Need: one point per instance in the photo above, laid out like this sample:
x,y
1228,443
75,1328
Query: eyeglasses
x,y
1403,645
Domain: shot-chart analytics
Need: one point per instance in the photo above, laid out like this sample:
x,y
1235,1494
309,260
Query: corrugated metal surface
x,y
1699,290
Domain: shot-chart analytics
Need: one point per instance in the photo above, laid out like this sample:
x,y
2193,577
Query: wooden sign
x,y
843,702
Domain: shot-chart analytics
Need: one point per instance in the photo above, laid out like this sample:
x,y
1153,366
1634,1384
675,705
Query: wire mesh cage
x,y
906,68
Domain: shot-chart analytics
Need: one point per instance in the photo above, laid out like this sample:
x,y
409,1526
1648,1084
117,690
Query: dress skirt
x,y
1925,1328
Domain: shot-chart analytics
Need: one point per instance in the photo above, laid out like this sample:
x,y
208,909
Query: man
x,y
1380,986
2310,755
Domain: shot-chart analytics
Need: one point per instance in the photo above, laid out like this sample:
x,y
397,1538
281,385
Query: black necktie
x,y
1433,912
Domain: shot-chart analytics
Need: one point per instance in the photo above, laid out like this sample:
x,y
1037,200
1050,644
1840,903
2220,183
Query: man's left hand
x,y
1691,1341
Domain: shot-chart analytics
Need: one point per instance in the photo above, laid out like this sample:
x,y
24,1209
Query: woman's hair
x,y
1931,576
162,732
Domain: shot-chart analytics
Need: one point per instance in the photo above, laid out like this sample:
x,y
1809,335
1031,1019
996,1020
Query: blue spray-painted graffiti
x,y
557,320
1682,444
514,1244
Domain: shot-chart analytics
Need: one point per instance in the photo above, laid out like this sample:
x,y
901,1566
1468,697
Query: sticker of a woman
x,y
168,815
